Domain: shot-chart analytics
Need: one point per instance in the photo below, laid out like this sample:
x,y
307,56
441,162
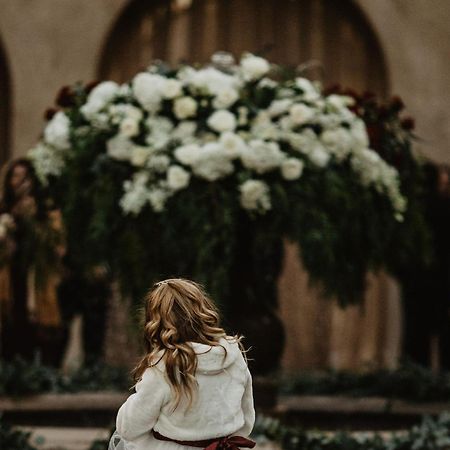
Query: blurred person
x,y
193,388
31,251
427,290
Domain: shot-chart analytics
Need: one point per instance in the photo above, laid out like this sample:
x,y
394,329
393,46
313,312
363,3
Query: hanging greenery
x,y
202,171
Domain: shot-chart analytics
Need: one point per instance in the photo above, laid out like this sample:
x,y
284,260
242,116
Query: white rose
x,y
255,195
291,168
319,156
303,142
98,98
300,113
278,107
119,147
177,178
129,127
232,144
172,88
254,67
188,154
147,88
184,107
310,93
57,131
221,121
46,161
139,155
225,98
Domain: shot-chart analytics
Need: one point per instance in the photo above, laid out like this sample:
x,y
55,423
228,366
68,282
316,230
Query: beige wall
x,y
50,43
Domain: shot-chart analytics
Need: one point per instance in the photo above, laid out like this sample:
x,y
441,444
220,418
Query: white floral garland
x,y
176,148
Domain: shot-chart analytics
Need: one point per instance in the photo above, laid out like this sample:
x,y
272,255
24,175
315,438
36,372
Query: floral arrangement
x,y
167,167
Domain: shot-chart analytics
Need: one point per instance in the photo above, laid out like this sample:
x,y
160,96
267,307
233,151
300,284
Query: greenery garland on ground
x,y
201,172
13,439
22,378
409,382
431,434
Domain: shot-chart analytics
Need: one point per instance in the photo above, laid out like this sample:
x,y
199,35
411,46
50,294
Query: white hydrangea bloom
x,y
359,133
188,154
129,127
158,163
57,131
184,131
222,120
98,98
262,156
136,194
46,161
211,81
120,111
303,142
139,155
338,141
319,156
292,168
148,90
253,67
177,178
225,97
255,195
157,198
212,162
310,93
278,107
184,107
119,147
301,113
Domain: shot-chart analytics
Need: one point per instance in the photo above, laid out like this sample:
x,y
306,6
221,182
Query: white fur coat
x,y
223,403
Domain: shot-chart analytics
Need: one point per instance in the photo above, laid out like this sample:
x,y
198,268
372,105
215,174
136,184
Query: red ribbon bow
x,y
224,443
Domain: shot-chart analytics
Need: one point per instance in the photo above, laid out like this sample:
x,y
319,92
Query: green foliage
x,y
431,434
409,382
21,378
12,439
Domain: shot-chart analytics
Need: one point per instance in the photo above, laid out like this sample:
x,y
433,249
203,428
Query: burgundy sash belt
x,y
223,443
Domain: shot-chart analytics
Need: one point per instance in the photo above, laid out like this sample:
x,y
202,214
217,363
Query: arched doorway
x,y
334,43
5,112
332,40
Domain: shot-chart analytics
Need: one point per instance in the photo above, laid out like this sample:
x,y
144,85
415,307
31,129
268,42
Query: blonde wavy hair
x,y
178,311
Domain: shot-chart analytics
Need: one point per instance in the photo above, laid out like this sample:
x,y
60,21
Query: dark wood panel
x,y
331,40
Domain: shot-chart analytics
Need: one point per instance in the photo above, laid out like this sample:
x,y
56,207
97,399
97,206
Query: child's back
x,y
221,403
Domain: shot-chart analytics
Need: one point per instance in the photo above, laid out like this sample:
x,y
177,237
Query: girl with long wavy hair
x,y
193,386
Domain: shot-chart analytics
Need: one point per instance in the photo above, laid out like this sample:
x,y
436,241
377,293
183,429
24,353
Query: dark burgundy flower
x,y
396,104
332,89
65,97
374,131
408,123
49,113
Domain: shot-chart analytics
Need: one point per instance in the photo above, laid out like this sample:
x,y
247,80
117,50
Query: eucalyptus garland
x,y
430,434
202,171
